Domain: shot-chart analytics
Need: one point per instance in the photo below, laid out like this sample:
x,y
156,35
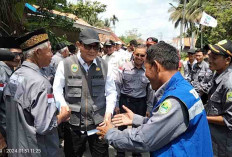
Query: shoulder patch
x,y
229,96
165,107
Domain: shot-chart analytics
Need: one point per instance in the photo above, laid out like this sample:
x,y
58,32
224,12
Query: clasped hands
x,y
118,120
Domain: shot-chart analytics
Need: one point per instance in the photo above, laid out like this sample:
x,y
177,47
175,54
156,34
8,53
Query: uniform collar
x,y
219,78
192,63
7,68
200,64
59,54
31,66
82,62
132,65
159,93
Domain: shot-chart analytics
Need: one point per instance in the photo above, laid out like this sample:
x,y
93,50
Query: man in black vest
x,y
90,92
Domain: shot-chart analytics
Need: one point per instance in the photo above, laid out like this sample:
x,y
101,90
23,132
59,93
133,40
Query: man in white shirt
x,y
108,47
84,83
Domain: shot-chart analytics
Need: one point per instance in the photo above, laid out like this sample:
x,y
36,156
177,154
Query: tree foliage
x,y
89,11
222,11
219,9
130,35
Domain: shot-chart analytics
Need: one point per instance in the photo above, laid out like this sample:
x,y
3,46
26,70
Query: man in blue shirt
x,y
178,125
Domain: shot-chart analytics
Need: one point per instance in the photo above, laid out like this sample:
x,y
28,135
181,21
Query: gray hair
x,y
29,53
63,49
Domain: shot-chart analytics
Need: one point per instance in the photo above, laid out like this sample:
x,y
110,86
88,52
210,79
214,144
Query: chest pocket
x,y
201,75
74,87
144,81
215,102
127,77
98,87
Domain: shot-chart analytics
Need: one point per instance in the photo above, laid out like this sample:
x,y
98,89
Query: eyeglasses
x,y
140,55
18,54
94,47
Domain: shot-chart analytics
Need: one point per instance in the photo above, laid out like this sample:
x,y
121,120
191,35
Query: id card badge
x,y
91,132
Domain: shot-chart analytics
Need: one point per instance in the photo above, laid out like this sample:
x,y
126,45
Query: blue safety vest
x,y
196,140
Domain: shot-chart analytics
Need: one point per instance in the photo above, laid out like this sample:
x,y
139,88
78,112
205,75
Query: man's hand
x,y
64,115
2,142
107,117
104,129
147,114
123,119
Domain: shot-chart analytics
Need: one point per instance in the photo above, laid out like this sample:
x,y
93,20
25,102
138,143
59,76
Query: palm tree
x,y
176,14
193,13
114,19
107,22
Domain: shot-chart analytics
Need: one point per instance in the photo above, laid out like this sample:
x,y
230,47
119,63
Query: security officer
x,y
89,90
188,65
6,69
219,107
133,88
201,76
30,107
178,125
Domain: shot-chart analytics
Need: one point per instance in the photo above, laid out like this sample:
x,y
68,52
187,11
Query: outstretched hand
x,y
123,119
104,129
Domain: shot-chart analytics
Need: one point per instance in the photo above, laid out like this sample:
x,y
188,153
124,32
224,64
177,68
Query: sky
x,y
149,17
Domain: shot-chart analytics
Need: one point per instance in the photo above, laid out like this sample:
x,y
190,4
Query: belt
x,y
132,98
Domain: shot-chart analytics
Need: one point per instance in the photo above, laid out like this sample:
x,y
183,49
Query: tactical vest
x,y
85,91
196,140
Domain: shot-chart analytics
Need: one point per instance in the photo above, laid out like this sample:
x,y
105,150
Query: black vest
x,y
85,91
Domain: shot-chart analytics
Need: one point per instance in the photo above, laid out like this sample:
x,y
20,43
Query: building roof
x,y
78,22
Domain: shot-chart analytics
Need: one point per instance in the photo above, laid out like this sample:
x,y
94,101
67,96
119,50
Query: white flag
x,y
208,20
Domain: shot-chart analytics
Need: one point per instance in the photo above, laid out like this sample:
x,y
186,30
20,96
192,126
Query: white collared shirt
x,y
59,84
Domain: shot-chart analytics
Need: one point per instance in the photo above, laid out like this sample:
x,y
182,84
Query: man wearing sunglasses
x,y
6,69
90,92
133,88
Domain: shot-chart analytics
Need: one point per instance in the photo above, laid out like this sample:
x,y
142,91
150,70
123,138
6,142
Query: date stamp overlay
x,y
19,151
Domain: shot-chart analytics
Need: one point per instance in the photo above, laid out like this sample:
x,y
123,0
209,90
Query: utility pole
x,y
182,26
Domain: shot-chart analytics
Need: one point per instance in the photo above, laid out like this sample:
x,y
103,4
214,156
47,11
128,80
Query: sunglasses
x,y
140,55
94,47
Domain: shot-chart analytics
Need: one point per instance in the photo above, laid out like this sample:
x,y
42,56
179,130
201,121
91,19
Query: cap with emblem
x,y
223,47
32,39
151,41
89,36
109,43
9,42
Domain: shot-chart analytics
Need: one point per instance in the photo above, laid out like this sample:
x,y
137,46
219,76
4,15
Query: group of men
x,y
146,90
